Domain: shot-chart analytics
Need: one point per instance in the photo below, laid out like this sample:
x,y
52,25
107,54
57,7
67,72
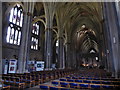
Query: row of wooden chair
x,y
25,80
13,81
93,73
91,81
91,78
51,87
79,85
6,87
84,75
94,78
62,85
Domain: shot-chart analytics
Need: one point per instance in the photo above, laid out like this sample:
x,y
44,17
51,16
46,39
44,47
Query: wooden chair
x,y
62,79
53,88
94,86
84,86
73,85
70,80
5,87
64,84
44,87
55,83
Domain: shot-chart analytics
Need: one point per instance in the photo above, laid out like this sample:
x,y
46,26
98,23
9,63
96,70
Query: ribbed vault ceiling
x,y
71,16
78,14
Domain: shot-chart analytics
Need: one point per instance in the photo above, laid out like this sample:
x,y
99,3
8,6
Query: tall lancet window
x,y
15,25
35,36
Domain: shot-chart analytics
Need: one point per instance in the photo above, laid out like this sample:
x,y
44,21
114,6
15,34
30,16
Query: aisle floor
x,y
38,86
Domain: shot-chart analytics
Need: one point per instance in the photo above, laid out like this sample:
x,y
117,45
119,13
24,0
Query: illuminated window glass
x,y
35,36
35,28
34,43
15,25
56,43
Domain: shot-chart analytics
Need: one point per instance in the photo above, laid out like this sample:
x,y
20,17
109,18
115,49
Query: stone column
x,y
25,42
107,41
68,55
77,60
118,14
48,47
29,27
61,47
49,13
73,57
60,54
0,43
64,57
111,19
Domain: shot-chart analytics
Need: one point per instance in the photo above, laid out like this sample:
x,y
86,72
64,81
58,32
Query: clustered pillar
x,y
48,47
25,41
61,49
49,12
68,62
0,43
113,40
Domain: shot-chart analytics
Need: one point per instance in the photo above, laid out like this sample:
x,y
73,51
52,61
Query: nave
x,y
59,45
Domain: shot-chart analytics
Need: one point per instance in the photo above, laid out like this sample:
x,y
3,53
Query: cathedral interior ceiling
x,y
69,18
72,15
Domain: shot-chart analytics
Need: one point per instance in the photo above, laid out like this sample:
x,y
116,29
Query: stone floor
x,y
37,87
48,83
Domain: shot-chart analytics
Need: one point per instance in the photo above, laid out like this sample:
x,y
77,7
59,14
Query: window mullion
x,y
18,36
14,36
20,18
17,16
10,33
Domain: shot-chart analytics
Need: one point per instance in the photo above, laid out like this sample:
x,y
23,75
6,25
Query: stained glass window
x,y
35,36
15,25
